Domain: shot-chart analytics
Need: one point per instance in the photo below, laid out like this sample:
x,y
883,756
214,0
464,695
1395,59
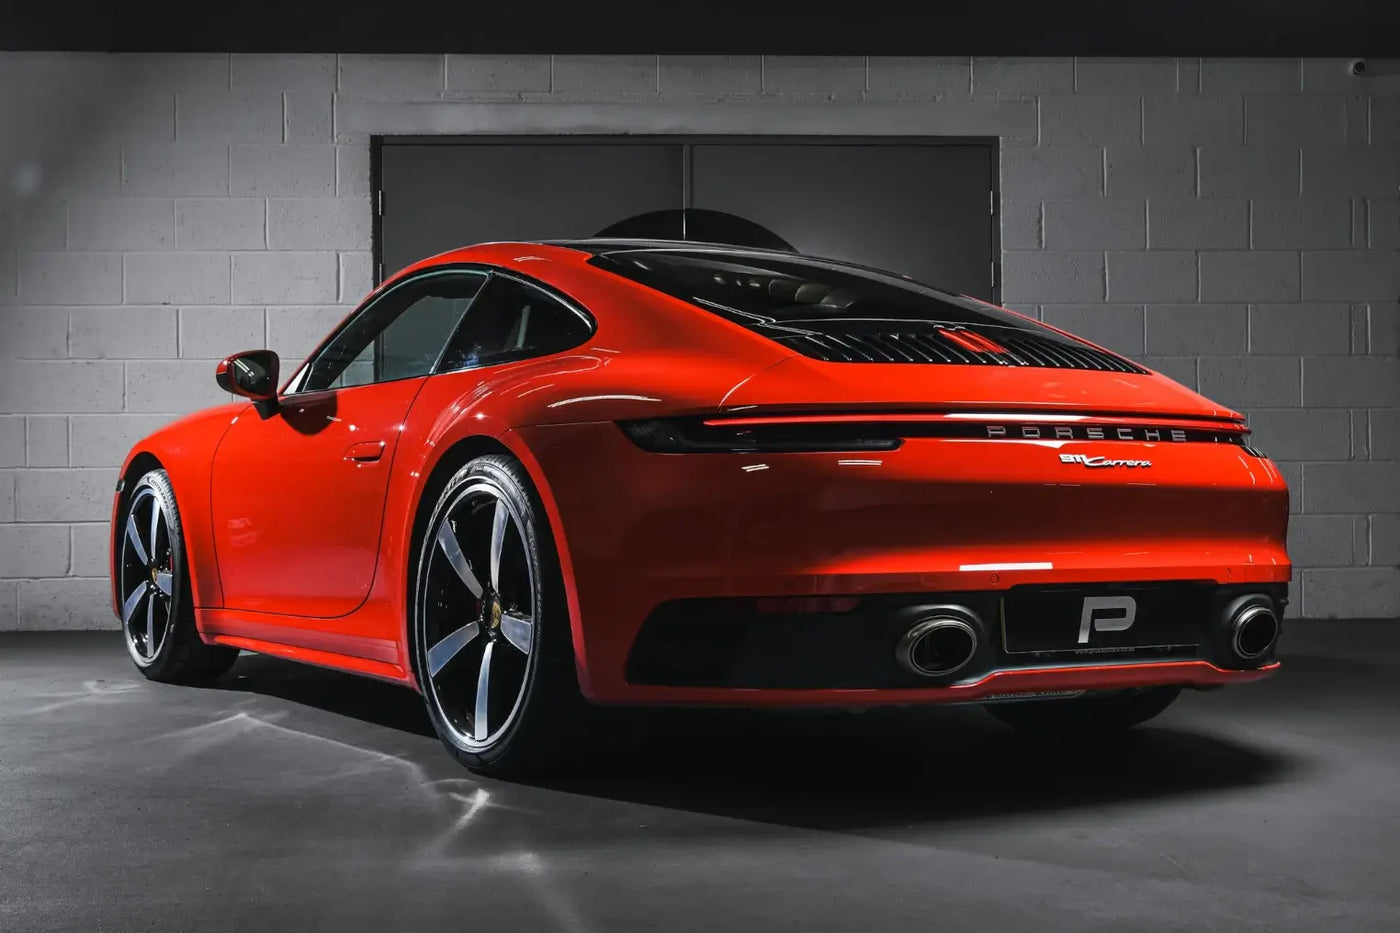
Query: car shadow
x,y
368,700
832,770
898,767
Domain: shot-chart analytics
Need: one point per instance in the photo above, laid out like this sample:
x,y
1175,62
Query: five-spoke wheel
x,y
479,624
147,577
492,651
156,614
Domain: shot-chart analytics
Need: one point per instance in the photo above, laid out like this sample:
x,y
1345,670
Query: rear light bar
x,y
875,432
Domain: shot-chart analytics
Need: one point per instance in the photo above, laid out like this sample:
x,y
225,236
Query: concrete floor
x,y
293,798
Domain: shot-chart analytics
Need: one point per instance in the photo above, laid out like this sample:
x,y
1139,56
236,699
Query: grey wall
x,y
1232,223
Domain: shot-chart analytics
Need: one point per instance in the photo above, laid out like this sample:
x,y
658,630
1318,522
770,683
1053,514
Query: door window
x,y
399,335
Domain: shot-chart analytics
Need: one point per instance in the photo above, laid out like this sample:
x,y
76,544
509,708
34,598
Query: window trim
x,y
487,271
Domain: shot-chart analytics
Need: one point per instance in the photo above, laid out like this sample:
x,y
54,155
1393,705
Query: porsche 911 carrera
x,y
523,478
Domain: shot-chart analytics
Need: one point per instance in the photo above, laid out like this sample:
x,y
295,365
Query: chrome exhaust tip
x,y
1253,631
937,645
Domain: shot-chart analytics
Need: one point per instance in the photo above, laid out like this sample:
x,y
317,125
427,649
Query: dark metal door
x,y
438,197
918,208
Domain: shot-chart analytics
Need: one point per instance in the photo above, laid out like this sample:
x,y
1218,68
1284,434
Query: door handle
x,y
365,452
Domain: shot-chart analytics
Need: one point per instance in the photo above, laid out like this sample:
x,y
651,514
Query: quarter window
x,y
510,320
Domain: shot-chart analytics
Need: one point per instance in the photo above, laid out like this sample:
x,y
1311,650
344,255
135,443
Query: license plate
x,y
1117,619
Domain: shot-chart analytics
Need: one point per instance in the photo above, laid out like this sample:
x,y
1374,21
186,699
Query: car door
x,y
297,493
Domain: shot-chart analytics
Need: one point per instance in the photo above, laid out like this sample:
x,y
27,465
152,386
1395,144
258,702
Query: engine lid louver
x,y
939,344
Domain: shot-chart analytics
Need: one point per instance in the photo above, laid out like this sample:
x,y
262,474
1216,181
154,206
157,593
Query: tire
x,y
1113,712
153,582
469,615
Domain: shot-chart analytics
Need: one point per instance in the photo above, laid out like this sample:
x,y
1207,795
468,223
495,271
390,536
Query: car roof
x,y
600,245
491,252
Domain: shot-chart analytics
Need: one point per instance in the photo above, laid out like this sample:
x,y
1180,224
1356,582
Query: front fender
x,y
185,450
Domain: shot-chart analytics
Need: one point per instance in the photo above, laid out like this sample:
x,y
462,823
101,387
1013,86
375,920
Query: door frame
x,y
686,141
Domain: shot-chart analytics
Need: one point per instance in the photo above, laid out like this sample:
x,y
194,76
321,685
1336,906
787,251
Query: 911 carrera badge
x,y
1094,462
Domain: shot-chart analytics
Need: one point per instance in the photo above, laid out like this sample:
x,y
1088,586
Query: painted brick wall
x,y
1235,224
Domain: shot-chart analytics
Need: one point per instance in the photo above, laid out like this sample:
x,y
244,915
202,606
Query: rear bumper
x,y
636,530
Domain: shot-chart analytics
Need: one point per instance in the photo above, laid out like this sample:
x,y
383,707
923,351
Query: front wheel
x,y
153,586
1110,712
493,652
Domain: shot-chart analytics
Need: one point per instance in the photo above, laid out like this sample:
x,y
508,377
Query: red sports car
x,y
522,476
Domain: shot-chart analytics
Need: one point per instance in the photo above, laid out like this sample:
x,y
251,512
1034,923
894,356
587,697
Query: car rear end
x,y
914,506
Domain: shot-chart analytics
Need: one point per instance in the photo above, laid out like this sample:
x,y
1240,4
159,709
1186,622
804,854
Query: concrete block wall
x,y
1234,224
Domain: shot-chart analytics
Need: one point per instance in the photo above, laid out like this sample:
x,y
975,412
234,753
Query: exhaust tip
x,y
936,646
1253,631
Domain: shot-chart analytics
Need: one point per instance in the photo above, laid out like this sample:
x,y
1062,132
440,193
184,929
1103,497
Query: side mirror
x,y
251,374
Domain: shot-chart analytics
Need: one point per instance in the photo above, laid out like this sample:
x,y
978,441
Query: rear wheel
x,y
153,584
1109,712
492,649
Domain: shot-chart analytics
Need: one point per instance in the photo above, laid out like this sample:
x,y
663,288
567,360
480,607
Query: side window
x,y
511,320
399,336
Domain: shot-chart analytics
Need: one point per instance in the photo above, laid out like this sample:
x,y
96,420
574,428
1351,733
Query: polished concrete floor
x,y
289,798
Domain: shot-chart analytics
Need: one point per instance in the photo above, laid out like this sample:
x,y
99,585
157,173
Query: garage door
x,y
921,209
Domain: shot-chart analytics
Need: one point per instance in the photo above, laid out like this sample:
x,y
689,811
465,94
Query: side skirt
x,y
354,654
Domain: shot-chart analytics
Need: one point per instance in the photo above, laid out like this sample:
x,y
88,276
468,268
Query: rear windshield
x,y
759,288
851,314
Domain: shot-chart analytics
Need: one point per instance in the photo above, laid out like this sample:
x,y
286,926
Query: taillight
x,y
695,435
